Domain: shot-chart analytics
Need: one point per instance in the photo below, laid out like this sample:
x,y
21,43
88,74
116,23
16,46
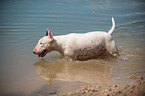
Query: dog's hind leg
x,y
111,47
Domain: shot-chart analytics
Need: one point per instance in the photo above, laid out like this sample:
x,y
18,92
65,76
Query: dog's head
x,y
44,45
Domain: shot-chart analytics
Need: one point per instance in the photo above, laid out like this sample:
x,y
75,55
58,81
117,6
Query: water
x,y
24,22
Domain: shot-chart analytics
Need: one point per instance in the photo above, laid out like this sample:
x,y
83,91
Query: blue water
x,y
24,22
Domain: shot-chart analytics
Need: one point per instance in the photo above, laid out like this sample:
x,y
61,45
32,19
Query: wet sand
x,y
135,88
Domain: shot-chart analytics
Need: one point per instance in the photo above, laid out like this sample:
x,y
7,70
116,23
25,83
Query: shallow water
x,y
23,23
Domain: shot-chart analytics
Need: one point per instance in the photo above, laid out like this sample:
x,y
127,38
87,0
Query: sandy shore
x,y
134,88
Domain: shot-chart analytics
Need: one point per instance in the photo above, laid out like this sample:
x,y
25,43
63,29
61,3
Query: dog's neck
x,y
58,44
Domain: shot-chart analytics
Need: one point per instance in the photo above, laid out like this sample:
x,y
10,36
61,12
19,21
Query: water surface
x,y
24,22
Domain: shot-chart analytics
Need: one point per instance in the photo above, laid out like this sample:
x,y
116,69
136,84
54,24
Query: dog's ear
x,y
46,33
49,34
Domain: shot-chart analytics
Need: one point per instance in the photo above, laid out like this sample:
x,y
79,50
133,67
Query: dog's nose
x,y
34,52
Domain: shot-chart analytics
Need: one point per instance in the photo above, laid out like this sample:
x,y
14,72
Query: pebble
x,y
132,77
140,82
52,92
132,87
115,86
106,90
127,86
94,90
110,89
119,91
141,77
106,94
109,85
86,91
131,90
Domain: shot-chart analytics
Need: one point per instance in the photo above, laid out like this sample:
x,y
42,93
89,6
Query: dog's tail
x,y
113,27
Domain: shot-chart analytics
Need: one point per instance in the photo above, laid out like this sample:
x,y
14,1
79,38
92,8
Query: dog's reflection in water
x,y
48,70
89,71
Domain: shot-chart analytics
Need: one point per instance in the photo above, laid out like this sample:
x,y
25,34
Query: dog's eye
x,y
41,43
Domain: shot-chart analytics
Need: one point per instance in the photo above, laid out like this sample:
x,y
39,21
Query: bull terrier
x,y
76,46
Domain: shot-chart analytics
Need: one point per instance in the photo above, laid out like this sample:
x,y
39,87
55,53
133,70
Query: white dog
x,y
78,46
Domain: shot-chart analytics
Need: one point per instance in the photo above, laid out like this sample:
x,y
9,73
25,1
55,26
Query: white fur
x,y
80,46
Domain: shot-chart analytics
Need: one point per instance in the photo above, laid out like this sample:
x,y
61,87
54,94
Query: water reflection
x,y
87,71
